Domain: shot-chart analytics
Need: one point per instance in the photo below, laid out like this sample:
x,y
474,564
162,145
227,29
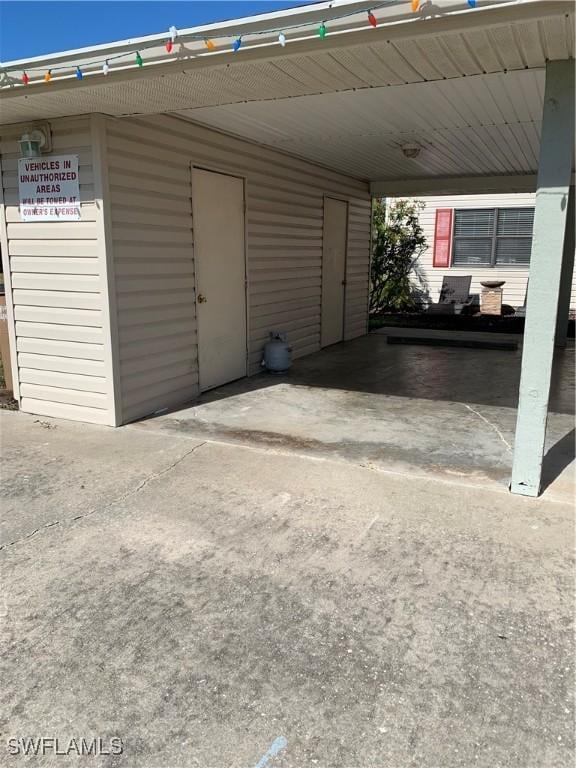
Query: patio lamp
x,y
35,141
31,143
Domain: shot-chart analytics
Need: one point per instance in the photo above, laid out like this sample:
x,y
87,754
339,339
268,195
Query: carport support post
x,y
550,219
567,272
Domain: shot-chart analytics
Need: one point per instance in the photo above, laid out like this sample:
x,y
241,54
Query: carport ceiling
x,y
465,84
481,125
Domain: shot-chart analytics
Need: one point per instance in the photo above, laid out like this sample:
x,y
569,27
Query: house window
x,y
489,237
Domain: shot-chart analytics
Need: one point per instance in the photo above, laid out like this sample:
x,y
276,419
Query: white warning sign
x,y
49,188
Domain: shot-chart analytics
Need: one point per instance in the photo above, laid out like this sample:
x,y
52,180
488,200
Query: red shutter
x,y
443,237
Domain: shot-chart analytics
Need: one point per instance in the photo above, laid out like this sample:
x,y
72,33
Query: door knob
x,y
201,299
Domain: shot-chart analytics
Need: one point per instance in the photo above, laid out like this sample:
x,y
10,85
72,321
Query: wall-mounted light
x,y
411,150
35,141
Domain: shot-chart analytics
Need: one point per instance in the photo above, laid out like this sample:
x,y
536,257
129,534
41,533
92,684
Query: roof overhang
x,y
464,84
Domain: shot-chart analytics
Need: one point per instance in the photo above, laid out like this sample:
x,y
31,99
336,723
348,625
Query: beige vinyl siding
x,y
152,230
56,282
516,277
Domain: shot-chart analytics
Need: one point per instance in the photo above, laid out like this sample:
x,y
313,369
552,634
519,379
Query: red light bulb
x,y
372,19
169,46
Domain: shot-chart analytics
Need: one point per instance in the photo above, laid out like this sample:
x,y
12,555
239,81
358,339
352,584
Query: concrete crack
x,y
492,426
128,494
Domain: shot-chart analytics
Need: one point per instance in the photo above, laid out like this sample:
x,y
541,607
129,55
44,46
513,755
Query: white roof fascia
x,y
395,18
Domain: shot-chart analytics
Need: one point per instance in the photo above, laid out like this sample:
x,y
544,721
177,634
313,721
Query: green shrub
x,y
397,283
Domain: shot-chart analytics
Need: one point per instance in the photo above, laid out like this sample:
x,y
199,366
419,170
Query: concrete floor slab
x,y
436,411
208,600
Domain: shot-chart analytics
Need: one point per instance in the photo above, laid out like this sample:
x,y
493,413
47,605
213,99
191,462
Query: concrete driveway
x,y
233,606
440,412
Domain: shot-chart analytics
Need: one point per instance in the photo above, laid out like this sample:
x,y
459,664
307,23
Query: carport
x,y
484,89
411,410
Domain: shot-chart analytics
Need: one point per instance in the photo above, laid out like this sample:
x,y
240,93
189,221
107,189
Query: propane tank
x,y
277,356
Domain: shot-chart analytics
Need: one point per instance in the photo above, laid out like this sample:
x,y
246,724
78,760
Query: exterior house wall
x,y
56,280
149,175
102,311
516,277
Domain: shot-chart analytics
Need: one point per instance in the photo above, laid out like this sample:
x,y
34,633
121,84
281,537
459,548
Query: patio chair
x,y
455,290
521,311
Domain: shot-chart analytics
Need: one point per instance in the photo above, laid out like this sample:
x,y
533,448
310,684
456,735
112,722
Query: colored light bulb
x,y
372,19
472,3
48,76
105,68
169,45
236,44
322,31
415,5
139,59
282,39
79,74
25,78
210,45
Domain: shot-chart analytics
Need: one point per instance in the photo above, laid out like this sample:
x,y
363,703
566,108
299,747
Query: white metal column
x,y
552,195
567,272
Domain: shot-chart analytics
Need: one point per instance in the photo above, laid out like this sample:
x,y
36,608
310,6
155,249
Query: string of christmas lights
x,y
210,45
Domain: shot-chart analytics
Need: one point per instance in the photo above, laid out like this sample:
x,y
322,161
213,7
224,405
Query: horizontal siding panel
x,y
85,317
136,201
160,402
267,300
65,411
48,362
145,251
296,306
53,248
53,230
55,265
146,300
188,383
57,282
128,285
287,324
134,317
134,350
171,233
151,184
135,217
155,331
68,299
136,366
164,266
174,370
60,332
266,283
64,380
59,395
59,348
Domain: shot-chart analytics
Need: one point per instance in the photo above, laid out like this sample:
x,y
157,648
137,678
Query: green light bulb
x,y
322,31
139,59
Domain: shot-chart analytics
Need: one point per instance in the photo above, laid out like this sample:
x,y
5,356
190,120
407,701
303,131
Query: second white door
x,y
220,262
334,270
